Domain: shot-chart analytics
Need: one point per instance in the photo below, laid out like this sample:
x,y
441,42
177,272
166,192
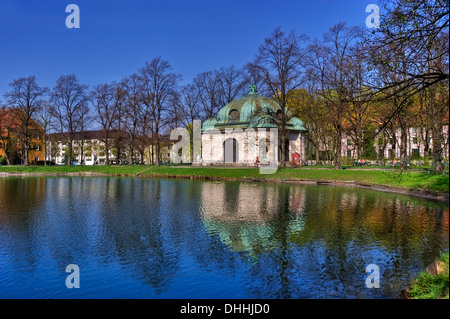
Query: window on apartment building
x,y
415,140
415,152
349,142
349,153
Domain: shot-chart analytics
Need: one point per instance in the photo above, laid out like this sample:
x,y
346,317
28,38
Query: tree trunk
x,y
118,155
394,143
26,142
69,157
107,150
283,148
152,154
317,155
435,119
45,149
338,144
437,156
82,151
25,155
7,159
337,150
436,133
157,151
283,125
404,143
131,154
426,141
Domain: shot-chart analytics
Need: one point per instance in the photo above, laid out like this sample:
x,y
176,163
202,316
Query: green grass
x,y
427,286
102,169
393,178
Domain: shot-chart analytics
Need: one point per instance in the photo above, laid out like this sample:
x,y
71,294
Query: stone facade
x,y
246,132
388,146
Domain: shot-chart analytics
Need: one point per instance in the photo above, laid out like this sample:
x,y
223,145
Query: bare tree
x,y
312,110
102,97
414,26
209,90
330,63
232,83
25,96
45,119
68,98
190,111
418,30
158,88
132,113
119,124
6,133
84,122
254,76
360,116
279,61
436,102
191,102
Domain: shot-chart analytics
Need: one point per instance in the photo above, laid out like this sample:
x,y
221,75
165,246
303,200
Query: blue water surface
x,y
157,238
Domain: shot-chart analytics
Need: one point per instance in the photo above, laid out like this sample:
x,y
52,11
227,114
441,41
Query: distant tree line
x,y
356,81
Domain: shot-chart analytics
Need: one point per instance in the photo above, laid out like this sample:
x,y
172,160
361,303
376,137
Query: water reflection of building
x,y
297,200
12,187
246,216
239,202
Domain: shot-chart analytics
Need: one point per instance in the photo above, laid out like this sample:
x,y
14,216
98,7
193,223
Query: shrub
x,y
427,286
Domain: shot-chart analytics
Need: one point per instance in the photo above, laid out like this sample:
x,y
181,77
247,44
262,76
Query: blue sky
x,y
115,38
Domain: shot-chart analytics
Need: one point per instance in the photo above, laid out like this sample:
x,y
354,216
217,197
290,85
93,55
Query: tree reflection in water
x,y
151,238
307,241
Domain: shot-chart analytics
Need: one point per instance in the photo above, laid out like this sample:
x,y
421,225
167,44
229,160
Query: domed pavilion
x,y
245,132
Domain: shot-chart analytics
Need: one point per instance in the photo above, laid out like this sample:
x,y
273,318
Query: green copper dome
x,y
296,124
251,110
244,108
209,124
263,120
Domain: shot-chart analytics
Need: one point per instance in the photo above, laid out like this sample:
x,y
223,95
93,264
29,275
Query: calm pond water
x,y
156,238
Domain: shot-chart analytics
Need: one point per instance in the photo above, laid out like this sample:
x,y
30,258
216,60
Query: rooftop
x,y
251,110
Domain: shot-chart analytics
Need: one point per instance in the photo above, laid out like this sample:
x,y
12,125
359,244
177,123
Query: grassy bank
x,y
411,180
101,169
427,286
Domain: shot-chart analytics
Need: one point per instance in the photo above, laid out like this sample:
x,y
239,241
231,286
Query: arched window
x,y
231,151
